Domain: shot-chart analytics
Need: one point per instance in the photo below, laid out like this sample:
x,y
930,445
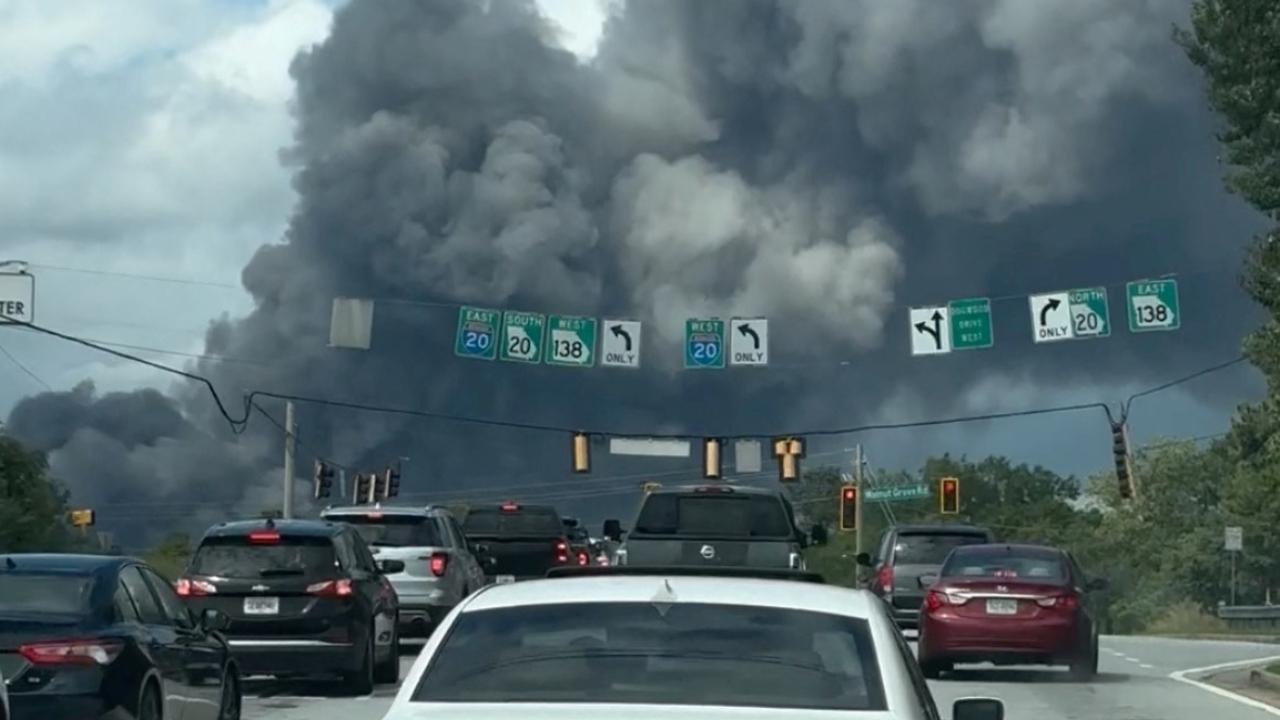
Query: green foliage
x,y
171,555
32,507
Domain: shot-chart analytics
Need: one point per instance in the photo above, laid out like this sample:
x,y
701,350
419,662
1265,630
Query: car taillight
x,y
264,538
1066,603
884,578
935,600
72,652
583,560
562,551
188,588
331,588
439,563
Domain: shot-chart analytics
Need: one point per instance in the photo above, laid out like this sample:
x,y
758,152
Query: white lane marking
x,y
1145,666
1181,676
1132,660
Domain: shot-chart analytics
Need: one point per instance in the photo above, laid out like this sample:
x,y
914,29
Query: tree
x,y
171,555
32,507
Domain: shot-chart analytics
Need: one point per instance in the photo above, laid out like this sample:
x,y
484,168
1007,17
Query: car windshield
x,y
520,522
236,557
1007,563
393,530
930,548
714,514
654,653
45,593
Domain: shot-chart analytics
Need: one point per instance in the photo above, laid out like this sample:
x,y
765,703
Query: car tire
x,y
1085,666
387,672
360,681
232,701
149,707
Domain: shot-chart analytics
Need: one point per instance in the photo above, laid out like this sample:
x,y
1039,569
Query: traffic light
x,y
392,486
711,466
581,450
364,489
322,480
1124,470
788,451
949,496
848,508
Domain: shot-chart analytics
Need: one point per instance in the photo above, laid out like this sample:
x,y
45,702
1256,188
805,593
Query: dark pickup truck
x,y
517,542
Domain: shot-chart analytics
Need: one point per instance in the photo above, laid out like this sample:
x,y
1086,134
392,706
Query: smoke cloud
x,y
824,163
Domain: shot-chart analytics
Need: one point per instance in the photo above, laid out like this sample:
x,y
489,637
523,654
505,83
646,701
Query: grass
x,y
1187,619
1273,668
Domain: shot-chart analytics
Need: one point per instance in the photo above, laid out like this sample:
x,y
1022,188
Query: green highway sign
x,y
522,336
1090,316
1153,305
571,341
970,323
477,333
897,492
703,344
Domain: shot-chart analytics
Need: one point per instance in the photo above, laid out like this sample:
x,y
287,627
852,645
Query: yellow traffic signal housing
x,y
949,496
711,464
848,508
788,451
581,451
81,518
1124,468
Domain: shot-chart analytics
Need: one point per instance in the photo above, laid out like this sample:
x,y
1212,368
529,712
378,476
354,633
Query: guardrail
x,y
1250,617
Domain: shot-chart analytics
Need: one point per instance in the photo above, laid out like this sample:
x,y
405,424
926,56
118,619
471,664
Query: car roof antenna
x,y
271,523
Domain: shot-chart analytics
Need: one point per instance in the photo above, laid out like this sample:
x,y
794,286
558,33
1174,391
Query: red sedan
x,y
1009,605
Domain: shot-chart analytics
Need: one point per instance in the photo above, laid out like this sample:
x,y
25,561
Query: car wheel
x,y
229,707
388,671
1085,666
360,680
149,703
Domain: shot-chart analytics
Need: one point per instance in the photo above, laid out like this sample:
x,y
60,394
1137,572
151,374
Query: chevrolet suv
x,y
303,597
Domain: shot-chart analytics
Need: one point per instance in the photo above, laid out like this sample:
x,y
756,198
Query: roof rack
x,y
688,571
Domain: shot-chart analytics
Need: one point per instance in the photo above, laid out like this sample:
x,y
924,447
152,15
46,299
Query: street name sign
x,y
970,323
477,333
896,492
17,298
1153,305
749,341
522,336
1090,316
703,344
620,344
1051,317
572,341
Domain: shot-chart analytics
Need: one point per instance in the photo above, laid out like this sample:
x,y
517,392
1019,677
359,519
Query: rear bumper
x,y
1050,640
293,657
50,706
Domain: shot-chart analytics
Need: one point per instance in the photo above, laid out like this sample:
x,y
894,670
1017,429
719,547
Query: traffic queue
x,y
703,608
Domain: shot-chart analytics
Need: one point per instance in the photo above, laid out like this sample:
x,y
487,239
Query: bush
x,y
1186,618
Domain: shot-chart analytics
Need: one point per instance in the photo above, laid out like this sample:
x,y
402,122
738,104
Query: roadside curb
x,y
1218,637
1195,678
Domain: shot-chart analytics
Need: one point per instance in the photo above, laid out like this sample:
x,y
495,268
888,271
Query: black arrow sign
x,y
619,332
935,331
1044,311
748,331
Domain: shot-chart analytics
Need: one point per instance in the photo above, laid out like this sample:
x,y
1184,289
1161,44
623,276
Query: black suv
x,y
303,597
907,553
518,542
712,525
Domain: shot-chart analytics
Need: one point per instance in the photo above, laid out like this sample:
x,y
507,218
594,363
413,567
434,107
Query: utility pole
x,y
290,427
857,480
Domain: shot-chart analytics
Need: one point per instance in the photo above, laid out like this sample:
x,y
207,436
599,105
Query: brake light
x,y
884,578
713,488
1066,603
562,551
583,559
264,538
332,588
189,588
935,600
72,652
374,515
439,563
510,507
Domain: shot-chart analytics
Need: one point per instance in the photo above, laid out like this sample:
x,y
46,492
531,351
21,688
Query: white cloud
x,y
581,22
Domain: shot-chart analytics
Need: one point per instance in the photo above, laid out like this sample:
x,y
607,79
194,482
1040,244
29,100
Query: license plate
x,y
504,579
262,606
1002,607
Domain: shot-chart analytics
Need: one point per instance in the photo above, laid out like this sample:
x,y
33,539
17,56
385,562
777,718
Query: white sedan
x,y
639,644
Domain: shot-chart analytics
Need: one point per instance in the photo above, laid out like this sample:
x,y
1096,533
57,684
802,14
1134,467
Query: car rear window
x,y
237,557
393,530
930,548
673,653
714,514
28,593
519,522
1032,564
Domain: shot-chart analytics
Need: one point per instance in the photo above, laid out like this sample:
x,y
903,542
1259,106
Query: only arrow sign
x,y
748,331
935,331
1048,308
618,332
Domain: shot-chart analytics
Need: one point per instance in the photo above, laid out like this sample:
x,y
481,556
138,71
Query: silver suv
x,y
439,567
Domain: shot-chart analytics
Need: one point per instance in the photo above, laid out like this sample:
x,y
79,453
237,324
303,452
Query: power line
x,y
138,276
1186,378
25,369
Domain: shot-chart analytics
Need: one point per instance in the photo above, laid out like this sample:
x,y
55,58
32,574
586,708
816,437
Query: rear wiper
x,y
269,572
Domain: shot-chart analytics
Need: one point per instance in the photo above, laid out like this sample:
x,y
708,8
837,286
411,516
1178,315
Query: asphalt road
x,y
1135,682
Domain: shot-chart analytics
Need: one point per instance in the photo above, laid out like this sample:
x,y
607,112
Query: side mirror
x,y
926,581
1097,584
863,559
613,530
390,567
213,620
977,709
818,534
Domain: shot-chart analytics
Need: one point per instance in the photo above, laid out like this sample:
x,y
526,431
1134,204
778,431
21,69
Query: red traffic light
x,y
848,493
949,495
